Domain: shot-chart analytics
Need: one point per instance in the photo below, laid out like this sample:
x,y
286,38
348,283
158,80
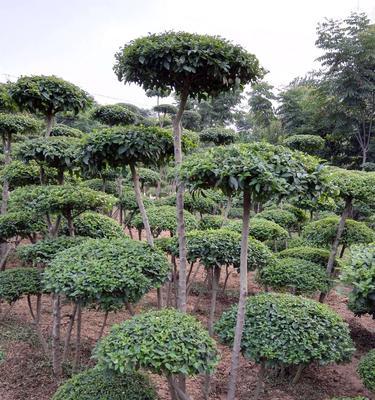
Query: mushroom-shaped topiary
x,y
360,273
211,222
294,274
366,370
49,95
284,218
308,143
98,384
165,342
114,114
217,135
95,225
282,329
163,218
67,131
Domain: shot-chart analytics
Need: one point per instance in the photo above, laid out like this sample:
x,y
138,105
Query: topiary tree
x,y
323,233
57,152
164,342
66,130
351,185
251,168
11,124
360,273
109,187
66,201
49,95
366,370
95,225
191,120
120,146
218,136
283,330
107,273
211,222
148,177
114,114
310,144
294,274
165,62
164,109
98,384
283,218
163,218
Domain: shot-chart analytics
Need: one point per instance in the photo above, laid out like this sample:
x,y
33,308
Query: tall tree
x,y
348,66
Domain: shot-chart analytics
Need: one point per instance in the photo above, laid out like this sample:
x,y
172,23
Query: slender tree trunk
x,y
78,338
227,209
259,385
70,223
60,176
177,133
243,294
50,119
37,324
4,246
340,229
298,374
56,359
103,326
215,283
69,333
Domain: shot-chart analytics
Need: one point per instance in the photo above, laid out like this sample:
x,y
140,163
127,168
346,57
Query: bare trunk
x,y
5,250
177,133
78,338
70,223
298,374
215,283
39,332
56,359
242,300
227,209
69,333
259,385
103,326
50,119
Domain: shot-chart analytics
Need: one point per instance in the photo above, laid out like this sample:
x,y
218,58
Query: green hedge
x,y
284,218
366,370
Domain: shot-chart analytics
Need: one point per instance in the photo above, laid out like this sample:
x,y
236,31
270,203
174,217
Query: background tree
x,y
163,62
49,95
114,114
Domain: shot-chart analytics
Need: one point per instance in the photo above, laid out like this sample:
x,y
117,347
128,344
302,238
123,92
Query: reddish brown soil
x,y
25,373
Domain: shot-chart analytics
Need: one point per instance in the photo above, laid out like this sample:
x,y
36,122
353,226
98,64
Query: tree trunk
x,y
50,119
298,374
177,133
7,160
78,338
69,220
103,326
215,283
259,385
340,229
227,209
243,294
56,359
69,333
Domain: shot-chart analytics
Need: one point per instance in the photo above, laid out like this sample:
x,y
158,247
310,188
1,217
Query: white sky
x,y
77,39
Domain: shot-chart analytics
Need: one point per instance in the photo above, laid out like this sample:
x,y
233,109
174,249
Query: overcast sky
x,y
77,39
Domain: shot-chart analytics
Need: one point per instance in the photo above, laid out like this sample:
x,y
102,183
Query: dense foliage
x,y
19,223
307,143
283,218
366,370
114,114
218,135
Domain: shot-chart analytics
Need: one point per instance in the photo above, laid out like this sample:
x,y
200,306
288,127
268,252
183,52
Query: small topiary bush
x,y
211,222
163,218
65,130
19,223
163,342
45,250
307,143
18,282
218,135
114,114
289,330
107,272
300,276
322,233
366,370
95,225
98,184
97,384
284,218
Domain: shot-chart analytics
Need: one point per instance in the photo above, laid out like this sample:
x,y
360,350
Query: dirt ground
x,y
25,373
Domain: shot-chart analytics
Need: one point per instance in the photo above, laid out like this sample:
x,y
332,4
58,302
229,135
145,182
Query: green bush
x,y
284,218
97,384
235,212
108,272
100,186
218,135
289,330
19,174
211,222
65,130
366,370
164,342
301,276
95,225
18,282
148,177
19,223
45,250
313,254
114,114
163,218
307,143
322,233
360,273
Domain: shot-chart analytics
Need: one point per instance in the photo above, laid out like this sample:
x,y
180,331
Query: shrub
x,y
45,250
301,276
313,254
366,370
148,177
289,330
322,233
96,384
65,130
108,272
21,223
306,143
19,174
114,114
284,218
100,186
235,212
18,282
163,218
95,225
218,135
211,222
360,273
164,342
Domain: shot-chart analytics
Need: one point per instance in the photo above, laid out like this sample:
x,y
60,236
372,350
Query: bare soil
x,y
25,373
